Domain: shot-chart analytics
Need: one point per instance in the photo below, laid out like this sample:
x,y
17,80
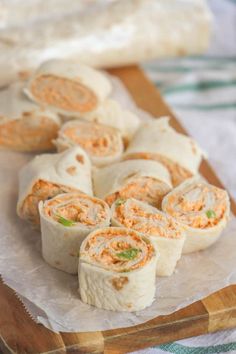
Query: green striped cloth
x,y
202,93
222,342
196,83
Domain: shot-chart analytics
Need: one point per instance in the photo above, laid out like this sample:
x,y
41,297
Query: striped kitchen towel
x,y
196,83
221,342
202,93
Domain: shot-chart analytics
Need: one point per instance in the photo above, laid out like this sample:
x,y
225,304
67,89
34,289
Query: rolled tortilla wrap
x,y
202,208
144,180
24,126
68,87
103,144
111,113
121,33
157,140
165,233
65,221
50,174
117,269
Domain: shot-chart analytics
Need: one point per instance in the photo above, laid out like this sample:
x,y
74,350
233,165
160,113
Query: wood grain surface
x,y
20,334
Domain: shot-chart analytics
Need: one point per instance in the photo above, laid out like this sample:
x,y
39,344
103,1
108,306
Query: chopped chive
x,y
120,201
65,221
210,214
128,254
125,270
145,239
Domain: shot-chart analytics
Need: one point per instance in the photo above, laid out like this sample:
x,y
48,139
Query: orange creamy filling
x,y
28,133
154,224
42,190
178,173
146,189
77,207
115,242
96,139
198,213
64,93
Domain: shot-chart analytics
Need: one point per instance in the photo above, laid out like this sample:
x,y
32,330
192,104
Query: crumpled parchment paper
x,y
51,296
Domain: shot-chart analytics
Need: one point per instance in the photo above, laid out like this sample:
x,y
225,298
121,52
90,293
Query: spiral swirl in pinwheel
x,y
50,174
111,113
24,126
165,233
158,141
102,143
145,180
117,269
202,208
65,221
68,87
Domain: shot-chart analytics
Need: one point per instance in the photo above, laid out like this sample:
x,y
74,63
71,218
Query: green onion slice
x,y
65,222
210,214
120,201
128,254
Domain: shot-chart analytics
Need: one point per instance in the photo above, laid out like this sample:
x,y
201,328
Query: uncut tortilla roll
x,y
24,126
202,208
157,140
111,113
65,221
145,180
68,87
103,144
165,233
117,269
50,174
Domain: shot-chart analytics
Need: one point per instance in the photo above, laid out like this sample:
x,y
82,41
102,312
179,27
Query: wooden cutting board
x,y
20,334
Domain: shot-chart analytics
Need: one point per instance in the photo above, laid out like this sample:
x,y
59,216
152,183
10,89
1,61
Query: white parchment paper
x,y
51,296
